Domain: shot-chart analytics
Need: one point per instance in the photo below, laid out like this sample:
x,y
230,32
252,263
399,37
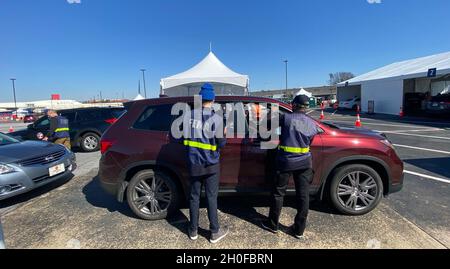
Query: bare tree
x,y
339,77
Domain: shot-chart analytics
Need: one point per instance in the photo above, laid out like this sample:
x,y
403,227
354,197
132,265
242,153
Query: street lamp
x,y
14,92
286,62
286,65
143,78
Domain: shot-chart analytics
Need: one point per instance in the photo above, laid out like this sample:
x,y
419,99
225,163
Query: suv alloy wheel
x,y
152,195
90,142
356,189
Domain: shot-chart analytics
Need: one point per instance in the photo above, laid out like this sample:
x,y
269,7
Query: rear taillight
x,y
111,121
105,145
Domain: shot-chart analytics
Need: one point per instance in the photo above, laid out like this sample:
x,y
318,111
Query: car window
x,y
89,115
233,126
43,122
441,98
358,99
6,140
117,113
69,115
155,118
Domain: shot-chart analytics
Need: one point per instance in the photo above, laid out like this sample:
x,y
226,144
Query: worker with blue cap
x,y
203,158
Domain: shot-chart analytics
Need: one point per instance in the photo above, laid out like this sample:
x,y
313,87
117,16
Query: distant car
x,y
332,102
86,126
27,165
351,103
29,118
439,105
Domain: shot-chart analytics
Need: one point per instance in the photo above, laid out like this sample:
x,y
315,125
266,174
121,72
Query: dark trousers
x,y
302,180
211,183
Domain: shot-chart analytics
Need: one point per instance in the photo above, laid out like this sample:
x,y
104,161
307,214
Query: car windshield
x,y
7,140
441,98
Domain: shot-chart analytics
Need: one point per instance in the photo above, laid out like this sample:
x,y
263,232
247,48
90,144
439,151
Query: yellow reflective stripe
x,y
195,144
294,150
61,130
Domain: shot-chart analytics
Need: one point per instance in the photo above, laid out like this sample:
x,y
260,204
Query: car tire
x,y
147,203
90,142
355,182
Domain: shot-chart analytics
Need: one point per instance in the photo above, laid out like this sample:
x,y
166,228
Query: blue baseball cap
x,y
207,92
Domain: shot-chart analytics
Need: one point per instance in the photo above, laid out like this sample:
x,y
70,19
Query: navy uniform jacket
x,y
297,133
203,153
59,128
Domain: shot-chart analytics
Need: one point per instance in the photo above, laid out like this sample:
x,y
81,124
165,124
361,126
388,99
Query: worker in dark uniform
x,y
293,159
59,129
203,156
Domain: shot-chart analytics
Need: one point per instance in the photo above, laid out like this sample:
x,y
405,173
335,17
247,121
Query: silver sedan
x,y
30,164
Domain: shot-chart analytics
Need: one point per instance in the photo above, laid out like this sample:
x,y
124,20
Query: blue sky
x,y
77,50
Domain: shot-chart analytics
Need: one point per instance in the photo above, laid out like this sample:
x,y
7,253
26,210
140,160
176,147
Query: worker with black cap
x,y
203,157
293,159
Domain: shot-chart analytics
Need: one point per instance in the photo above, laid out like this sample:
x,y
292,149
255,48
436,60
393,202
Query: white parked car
x,y
351,103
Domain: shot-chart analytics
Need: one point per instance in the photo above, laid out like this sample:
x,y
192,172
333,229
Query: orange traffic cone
x,y
401,114
11,129
358,121
322,116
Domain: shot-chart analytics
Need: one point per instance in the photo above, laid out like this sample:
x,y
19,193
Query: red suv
x,y
143,165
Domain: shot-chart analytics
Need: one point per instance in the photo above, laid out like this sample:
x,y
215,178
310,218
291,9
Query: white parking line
x,y
418,130
427,176
424,149
309,112
427,136
399,121
383,124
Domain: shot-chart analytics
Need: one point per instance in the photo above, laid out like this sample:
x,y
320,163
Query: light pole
x,y
143,78
14,92
286,65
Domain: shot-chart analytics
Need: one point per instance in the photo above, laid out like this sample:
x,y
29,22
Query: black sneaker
x,y
216,237
193,235
268,226
297,234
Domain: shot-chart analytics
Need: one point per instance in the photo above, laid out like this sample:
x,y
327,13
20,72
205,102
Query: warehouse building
x,y
407,85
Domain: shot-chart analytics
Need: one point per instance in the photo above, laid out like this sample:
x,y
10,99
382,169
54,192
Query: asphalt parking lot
x,y
76,213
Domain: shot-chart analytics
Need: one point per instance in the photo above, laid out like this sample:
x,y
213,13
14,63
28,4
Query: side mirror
x,y
320,130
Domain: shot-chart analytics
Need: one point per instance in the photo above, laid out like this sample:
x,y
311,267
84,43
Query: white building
x,y
387,86
54,104
210,69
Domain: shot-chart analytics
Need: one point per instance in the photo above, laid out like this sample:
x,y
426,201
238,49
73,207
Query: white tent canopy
x,y
138,97
304,92
210,69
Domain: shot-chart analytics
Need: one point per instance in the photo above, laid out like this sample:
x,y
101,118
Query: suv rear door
x,y
233,168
